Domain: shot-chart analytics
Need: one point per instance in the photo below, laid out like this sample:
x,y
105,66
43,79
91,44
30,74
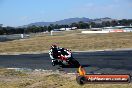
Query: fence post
x,y
22,36
51,33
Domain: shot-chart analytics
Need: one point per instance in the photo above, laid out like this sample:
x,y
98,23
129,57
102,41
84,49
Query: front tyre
x,y
53,63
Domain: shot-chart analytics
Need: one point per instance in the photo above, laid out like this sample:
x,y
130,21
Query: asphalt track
x,y
106,62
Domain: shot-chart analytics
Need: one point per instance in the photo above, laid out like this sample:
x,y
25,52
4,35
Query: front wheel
x,y
53,63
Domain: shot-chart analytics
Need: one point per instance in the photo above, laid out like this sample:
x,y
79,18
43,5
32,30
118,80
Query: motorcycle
x,y
63,61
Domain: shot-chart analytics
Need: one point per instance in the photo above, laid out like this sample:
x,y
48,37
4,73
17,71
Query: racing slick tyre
x,y
53,63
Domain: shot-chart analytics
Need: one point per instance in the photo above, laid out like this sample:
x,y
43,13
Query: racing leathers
x,y
59,52
54,54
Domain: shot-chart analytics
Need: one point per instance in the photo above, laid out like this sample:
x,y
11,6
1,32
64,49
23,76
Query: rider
x,y
55,52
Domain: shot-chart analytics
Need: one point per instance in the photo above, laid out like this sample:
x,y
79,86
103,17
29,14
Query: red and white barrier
x,y
117,30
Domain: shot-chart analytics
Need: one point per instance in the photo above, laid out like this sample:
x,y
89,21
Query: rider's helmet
x,y
53,46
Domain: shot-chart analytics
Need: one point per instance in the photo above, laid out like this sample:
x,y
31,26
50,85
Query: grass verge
x,y
72,40
47,80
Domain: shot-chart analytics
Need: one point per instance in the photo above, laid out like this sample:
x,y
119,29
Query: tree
x,y
45,28
52,26
1,31
106,24
125,22
56,26
49,28
5,30
114,23
74,25
93,24
20,30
